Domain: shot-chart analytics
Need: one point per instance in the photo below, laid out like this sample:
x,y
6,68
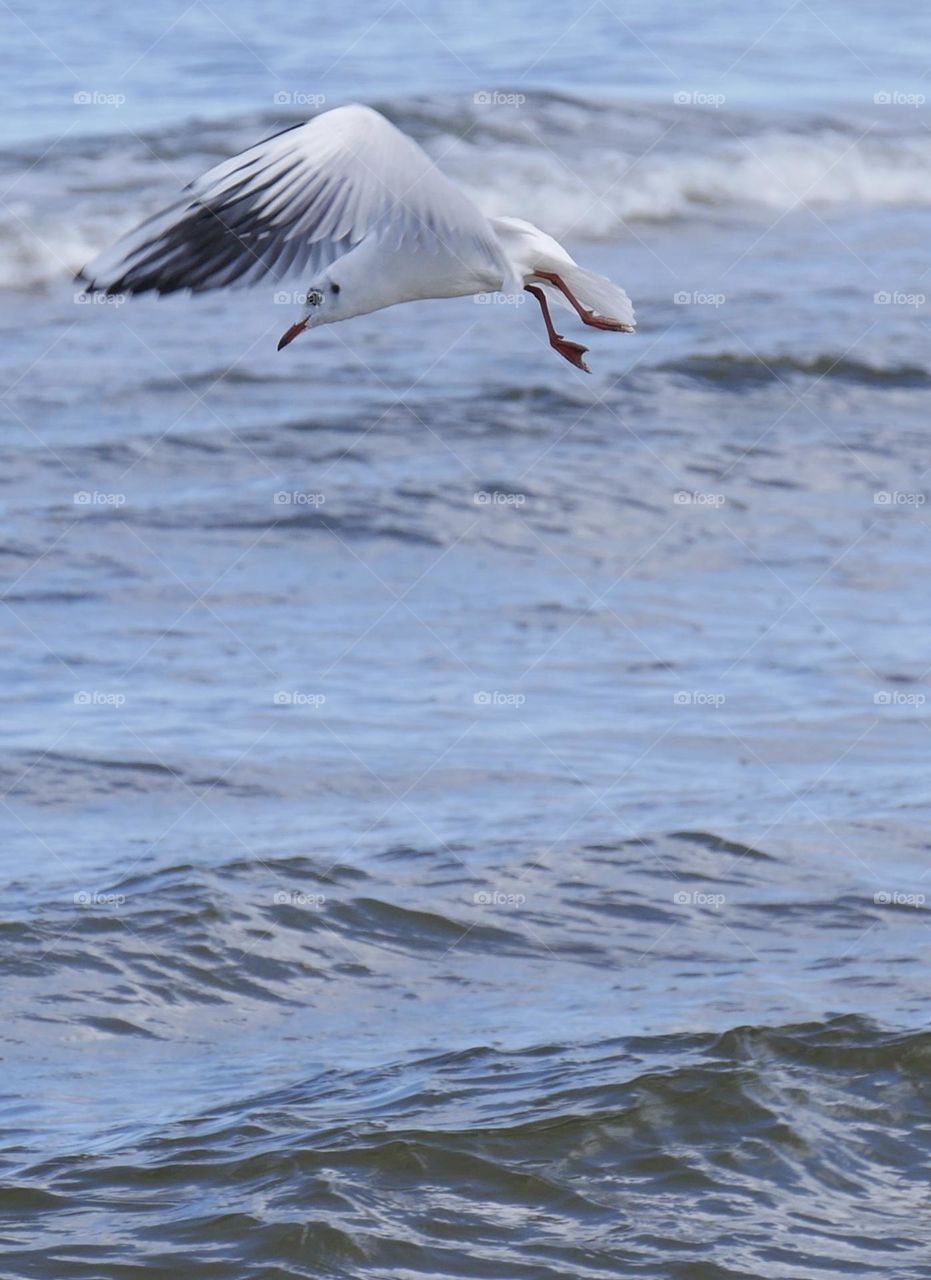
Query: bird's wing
x,y
294,204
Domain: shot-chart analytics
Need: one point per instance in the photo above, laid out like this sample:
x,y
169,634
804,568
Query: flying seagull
x,y
352,206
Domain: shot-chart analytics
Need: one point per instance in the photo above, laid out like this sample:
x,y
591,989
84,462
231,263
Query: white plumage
x,y
359,213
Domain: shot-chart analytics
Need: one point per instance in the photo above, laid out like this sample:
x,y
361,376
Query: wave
x,y
585,169
606,188
558,1159
739,371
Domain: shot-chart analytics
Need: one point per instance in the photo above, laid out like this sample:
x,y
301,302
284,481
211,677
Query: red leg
x,y
571,351
585,315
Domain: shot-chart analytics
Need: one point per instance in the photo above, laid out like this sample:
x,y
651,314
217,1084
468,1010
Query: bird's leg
x,y
585,315
571,351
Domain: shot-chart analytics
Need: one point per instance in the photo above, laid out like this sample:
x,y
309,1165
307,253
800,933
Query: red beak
x,y
290,334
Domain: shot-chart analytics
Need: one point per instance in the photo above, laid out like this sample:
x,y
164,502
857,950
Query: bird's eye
x,y
314,298
335,287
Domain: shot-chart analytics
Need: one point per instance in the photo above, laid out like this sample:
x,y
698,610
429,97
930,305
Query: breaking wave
x,y
585,169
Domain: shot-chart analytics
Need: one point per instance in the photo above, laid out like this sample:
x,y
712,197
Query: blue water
x,y
463,817
176,61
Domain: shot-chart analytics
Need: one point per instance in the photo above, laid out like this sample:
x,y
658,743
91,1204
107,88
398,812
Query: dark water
x,y
461,817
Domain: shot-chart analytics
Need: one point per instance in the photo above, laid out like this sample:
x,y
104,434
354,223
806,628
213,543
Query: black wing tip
x,y
118,288
90,285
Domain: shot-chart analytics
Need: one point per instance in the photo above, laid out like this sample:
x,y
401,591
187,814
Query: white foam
x,y
37,250
597,192
60,219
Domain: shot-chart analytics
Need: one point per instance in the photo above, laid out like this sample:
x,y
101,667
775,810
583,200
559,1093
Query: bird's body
x,y
360,214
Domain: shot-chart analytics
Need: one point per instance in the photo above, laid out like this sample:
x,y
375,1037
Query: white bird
x,y
355,207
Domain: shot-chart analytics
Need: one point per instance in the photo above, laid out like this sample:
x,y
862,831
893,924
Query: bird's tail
x,y
598,294
534,256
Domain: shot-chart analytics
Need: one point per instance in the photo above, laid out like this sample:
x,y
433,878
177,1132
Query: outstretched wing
x,y
294,204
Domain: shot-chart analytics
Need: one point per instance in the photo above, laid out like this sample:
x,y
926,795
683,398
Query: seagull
x,y
355,208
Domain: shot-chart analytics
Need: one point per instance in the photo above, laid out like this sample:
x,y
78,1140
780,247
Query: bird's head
x,y
321,306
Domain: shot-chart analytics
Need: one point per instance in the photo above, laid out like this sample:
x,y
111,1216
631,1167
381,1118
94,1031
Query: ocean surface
x,y
462,817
